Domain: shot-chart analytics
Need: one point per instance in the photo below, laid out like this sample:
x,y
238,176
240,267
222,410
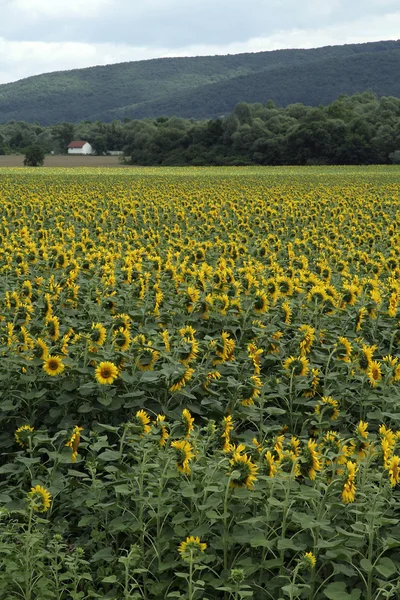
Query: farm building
x,y
80,147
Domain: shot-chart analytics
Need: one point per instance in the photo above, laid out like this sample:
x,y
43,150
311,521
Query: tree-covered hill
x,y
314,83
203,87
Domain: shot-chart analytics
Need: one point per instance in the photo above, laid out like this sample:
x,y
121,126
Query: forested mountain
x,y
203,87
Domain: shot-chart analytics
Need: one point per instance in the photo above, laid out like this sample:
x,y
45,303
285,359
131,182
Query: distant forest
x,y
203,87
359,129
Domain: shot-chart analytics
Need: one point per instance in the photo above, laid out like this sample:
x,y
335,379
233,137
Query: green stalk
x,y
191,575
28,569
284,519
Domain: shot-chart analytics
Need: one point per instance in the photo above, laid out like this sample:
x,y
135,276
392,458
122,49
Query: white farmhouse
x,y
80,147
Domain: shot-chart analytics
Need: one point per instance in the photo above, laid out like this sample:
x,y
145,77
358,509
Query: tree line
x,y
358,129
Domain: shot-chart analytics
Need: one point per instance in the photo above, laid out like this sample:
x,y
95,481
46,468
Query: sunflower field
x,y
200,384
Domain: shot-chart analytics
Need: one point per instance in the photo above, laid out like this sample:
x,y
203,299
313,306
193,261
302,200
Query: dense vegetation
x,y
203,87
361,129
200,375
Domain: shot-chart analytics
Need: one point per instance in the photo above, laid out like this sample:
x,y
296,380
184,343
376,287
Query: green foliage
x,y
203,87
359,129
34,156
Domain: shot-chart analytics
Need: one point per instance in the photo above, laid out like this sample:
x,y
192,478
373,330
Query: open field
x,y
200,379
64,161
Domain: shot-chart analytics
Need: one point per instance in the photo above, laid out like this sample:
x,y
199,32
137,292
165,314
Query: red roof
x,y
79,144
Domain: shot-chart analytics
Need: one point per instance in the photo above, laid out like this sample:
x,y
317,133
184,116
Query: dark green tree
x,y
34,156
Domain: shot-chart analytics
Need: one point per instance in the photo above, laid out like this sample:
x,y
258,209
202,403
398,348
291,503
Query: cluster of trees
x,y
359,129
16,136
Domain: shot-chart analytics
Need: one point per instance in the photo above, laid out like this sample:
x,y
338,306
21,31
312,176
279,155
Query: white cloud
x,y
59,9
21,59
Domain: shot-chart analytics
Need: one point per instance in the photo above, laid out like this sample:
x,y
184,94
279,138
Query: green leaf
x,y
109,455
366,565
110,579
386,567
273,410
337,591
260,541
105,554
287,544
123,489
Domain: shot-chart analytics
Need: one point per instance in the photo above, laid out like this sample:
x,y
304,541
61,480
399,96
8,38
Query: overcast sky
x,y
38,36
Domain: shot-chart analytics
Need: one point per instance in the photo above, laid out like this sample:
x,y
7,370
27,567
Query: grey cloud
x,y
178,23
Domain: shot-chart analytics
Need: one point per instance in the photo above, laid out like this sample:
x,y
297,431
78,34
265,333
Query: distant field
x,y
65,161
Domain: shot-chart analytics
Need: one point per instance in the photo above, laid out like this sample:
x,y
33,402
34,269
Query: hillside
x,y
203,86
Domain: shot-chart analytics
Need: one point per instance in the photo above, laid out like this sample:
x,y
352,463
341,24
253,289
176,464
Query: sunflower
x,y
332,444
184,454
329,407
161,425
350,294
271,465
187,332
122,339
278,445
285,285
393,467
53,325
287,312
360,317
143,420
188,351
22,434
165,339
308,561
362,430
73,442
247,471
188,421
317,294
374,373
39,499
311,462
41,349
294,445
98,334
210,377
349,488
261,303
255,355
273,289
312,390
122,320
307,338
343,349
251,390
227,427
289,463
179,381
191,549
388,443
298,366
147,358
224,348
365,357
193,297
53,365
106,372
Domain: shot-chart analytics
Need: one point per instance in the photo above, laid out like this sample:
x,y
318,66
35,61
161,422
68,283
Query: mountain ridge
x,y
203,87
